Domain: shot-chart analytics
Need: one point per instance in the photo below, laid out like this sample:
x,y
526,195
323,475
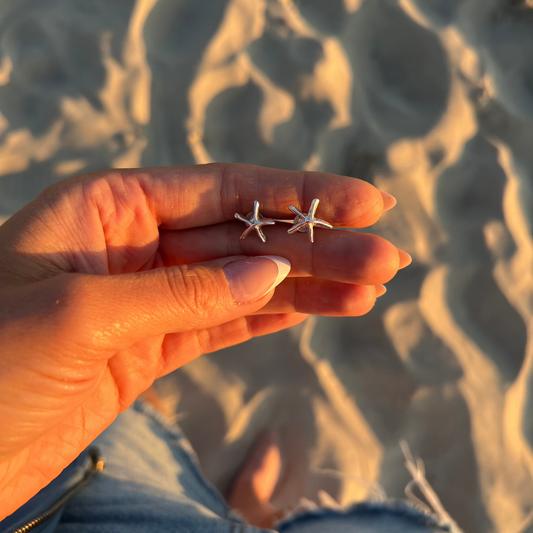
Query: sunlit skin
x,y
255,484
100,294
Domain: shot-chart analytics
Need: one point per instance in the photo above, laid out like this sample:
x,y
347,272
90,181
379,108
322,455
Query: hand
x,y
110,280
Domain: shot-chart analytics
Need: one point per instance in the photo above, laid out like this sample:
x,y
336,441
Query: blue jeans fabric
x,y
152,482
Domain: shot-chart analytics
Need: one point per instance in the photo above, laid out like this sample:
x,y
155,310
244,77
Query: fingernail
x,y
405,259
380,290
388,201
252,278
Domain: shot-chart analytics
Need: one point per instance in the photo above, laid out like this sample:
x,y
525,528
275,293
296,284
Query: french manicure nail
x,y
252,278
405,259
380,290
388,201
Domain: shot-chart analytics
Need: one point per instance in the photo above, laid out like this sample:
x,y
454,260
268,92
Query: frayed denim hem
x,y
397,510
311,517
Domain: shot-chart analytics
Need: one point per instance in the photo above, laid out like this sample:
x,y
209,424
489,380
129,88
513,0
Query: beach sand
x,y
430,100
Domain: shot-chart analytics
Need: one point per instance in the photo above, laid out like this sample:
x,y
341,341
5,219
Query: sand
x,y
430,100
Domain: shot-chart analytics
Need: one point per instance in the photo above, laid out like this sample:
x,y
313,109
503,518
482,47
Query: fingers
x,y
116,311
186,197
293,301
315,296
343,256
181,348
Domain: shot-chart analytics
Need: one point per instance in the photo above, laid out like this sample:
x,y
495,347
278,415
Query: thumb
x,y
126,308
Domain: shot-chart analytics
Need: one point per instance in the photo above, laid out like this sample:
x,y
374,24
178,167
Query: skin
x,y
111,280
254,487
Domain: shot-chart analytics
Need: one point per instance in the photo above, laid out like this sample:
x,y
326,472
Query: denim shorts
x,y
152,483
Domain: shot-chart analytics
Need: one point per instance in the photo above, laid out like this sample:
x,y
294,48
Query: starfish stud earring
x,y
307,222
255,221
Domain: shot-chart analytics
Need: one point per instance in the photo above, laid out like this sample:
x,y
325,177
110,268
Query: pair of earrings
x,y
304,222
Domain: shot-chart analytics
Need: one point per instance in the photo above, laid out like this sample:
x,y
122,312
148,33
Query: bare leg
x,y
254,485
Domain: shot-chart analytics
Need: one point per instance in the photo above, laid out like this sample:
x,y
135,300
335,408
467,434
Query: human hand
x,y
110,280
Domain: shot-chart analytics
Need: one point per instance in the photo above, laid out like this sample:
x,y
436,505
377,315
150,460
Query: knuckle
x,y
195,291
203,338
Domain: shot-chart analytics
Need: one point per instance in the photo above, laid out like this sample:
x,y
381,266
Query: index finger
x,y
201,195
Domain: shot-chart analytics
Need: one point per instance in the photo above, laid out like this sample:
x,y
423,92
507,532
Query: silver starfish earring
x,y
306,222
256,221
